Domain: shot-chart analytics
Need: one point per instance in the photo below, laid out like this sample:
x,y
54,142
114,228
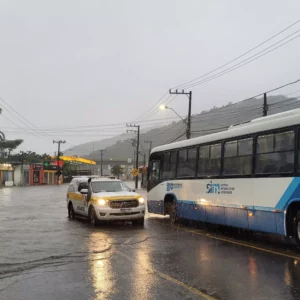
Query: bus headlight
x,y
141,200
101,202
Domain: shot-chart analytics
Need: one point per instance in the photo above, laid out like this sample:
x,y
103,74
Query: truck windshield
x,y
109,186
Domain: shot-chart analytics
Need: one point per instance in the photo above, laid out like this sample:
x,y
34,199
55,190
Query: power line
x,y
224,65
105,126
176,138
240,56
31,133
292,93
22,118
276,104
169,129
205,130
166,103
197,119
151,107
155,109
116,129
228,63
253,97
239,65
228,116
280,87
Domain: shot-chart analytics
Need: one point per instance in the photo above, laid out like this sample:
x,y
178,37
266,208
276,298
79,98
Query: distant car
x,y
103,199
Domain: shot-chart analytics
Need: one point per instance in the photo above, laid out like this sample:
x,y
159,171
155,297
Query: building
x,y
6,174
40,174
35,174
18,178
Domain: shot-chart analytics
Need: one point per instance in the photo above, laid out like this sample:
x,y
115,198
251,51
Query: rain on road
x,y
44,255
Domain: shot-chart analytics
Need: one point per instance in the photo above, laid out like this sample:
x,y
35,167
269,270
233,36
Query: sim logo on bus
x,y
171,186
213,188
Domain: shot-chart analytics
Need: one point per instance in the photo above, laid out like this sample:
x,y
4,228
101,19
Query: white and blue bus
x,y
247,176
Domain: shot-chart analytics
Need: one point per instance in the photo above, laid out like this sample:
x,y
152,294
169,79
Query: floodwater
x,y
44,255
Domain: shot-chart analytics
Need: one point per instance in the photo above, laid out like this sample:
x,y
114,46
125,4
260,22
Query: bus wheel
x,y
297,229
71,211
92,216
171,210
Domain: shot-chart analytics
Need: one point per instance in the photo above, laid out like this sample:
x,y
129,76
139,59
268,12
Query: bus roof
x,y
280,120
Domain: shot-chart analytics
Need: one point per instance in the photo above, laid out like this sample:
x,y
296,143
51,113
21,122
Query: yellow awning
x,y
76,159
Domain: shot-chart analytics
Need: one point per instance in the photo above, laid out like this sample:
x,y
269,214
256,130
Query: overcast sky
x,y
67,63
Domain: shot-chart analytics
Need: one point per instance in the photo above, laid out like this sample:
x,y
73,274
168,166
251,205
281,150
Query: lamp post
x,y
188,123
163,107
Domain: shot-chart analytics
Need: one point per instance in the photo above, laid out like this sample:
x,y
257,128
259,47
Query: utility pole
x,y
58,155
22,168
150,148
188,124
137,149
101,161
143,170
265,107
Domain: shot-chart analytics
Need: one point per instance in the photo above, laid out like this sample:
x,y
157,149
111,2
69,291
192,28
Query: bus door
x,y
154,186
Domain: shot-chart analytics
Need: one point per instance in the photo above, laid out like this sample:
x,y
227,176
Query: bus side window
x,y
169,167
238,157
275,153
209,163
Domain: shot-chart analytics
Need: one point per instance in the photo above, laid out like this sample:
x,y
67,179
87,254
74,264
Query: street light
x,y
163,107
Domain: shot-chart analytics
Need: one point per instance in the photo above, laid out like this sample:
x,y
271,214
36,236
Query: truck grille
x,y
124,214
124,204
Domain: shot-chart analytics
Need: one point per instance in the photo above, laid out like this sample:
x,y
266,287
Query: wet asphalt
x,y
44,255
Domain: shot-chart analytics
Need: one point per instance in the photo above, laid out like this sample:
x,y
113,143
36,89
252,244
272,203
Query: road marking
x,y
171,279
239,243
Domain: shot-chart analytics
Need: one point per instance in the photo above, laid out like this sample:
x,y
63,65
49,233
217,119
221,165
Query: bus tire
x,y
297,229
171,210
71,212
92,216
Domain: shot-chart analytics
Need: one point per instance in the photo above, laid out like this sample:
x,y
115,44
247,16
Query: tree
x,y
117,170
6,146
30,157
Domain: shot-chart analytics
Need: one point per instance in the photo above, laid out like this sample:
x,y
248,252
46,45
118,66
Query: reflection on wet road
x,y
44,255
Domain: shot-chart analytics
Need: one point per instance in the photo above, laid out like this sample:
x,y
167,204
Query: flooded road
x,y
44,255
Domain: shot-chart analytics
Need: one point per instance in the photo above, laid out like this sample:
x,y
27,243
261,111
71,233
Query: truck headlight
x,y
141,200
101,202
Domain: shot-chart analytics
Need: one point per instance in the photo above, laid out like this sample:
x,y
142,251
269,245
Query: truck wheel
x,y
93,217
71,211
297,229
